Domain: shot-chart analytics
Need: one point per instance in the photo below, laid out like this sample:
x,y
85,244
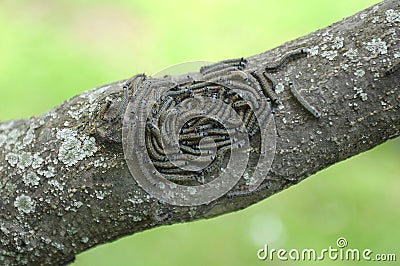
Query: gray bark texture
x,y
65,186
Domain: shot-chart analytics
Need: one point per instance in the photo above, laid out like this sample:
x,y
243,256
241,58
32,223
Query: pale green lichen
x,y
76,112
74,148
330,55
279,88
101,194
58,245
25,160
56,184
77,204
31,179
327,37
364,96
37,161
20,159
360,92
89,146
377,46
82,109
135,200
29,137
100,163
375,20
359,73
12,159
66,133
50,172
13,136
313,50
69,152
351,53
250,180
344,66
93,94
392,16
24,204
338,43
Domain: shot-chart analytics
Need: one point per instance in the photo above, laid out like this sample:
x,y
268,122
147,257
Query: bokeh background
x,y
53,50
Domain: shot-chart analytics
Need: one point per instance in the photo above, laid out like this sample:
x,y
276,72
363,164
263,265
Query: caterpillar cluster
x,y
183,130
201,139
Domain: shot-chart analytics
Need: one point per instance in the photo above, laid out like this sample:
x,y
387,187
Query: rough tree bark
x,y
65,186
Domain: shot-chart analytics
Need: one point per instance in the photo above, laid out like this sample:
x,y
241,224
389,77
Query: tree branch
x,y
65,185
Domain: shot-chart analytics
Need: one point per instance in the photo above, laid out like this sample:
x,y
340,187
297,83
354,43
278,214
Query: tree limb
x,y
65,186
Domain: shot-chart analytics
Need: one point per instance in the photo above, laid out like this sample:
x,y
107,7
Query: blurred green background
x,y
53,50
